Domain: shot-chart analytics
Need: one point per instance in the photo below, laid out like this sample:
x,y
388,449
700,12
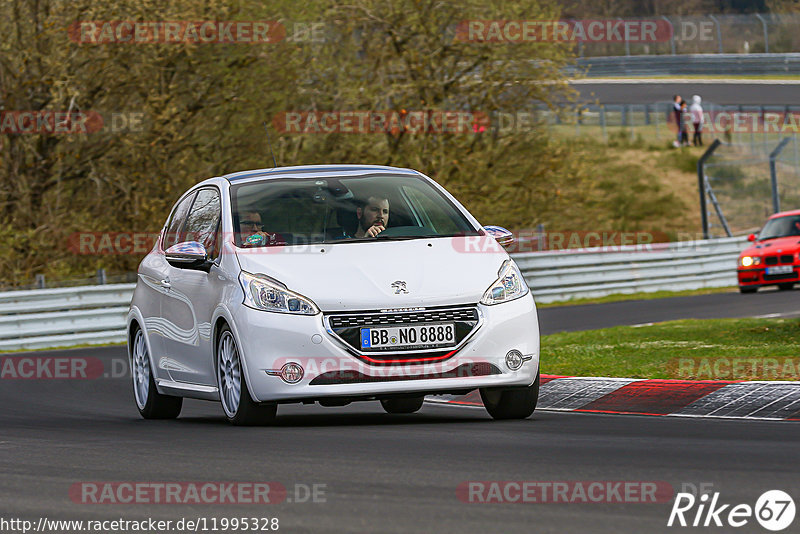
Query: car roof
x,y
784,214
305,171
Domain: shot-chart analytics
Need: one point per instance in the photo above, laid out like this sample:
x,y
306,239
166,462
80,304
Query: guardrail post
x,y
671,34
101,277
701,183
766,32
40,281
540,241
776,201
627,42
719,32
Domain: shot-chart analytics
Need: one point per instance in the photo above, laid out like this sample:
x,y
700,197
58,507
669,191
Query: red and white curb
x,y
774,401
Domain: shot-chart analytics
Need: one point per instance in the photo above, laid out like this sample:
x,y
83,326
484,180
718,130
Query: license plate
x,y
416,336
780,269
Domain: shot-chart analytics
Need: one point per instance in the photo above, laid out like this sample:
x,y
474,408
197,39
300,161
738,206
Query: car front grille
x,y
413,317
347,327
784,259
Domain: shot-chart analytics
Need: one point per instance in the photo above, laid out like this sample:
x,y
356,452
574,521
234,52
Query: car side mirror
x,y
188,255
751,237
504,237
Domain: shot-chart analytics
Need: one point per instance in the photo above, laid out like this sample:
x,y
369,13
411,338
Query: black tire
x,y
155,405
747,289
517,403
403,405
247,412
788,286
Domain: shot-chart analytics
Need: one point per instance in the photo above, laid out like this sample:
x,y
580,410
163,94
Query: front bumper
x,y
267,341
758,277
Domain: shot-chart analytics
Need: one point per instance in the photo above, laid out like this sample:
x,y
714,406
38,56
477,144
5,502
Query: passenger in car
x,y
252,230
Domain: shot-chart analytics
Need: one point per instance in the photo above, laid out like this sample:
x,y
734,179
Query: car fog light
x,y
514,359
292,373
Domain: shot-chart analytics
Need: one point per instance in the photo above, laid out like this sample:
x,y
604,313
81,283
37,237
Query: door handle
x,y
165,283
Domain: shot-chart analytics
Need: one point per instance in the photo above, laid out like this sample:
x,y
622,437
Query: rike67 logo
x,y
774,510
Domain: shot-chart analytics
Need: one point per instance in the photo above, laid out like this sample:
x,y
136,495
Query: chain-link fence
x,y
709,34
738,172
758,127
740,193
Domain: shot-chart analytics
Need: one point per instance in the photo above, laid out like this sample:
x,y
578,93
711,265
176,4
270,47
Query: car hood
x,y
786,245
359,276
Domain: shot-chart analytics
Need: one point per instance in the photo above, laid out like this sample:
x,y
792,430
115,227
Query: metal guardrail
x,y
558,276
688,65
63,317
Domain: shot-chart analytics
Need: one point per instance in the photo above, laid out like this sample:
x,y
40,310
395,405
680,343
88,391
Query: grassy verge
x,y
638,296
713,349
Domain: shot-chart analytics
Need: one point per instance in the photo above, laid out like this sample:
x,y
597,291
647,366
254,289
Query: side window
x,y
203,220
176,221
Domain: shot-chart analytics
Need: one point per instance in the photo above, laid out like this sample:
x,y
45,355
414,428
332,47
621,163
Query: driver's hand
x,y
257,238
372,231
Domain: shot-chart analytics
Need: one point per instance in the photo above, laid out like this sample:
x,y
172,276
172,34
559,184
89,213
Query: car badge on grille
x,y
399,287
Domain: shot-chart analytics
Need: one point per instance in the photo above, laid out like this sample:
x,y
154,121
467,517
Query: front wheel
x,y
403,405
151,403
238,405
517,403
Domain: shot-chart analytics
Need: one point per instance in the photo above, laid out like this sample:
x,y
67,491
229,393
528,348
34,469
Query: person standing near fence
x,y
676,112
696,110
684,125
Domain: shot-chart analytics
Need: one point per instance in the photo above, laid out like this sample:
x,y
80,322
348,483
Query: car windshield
x,y
280,212
780,227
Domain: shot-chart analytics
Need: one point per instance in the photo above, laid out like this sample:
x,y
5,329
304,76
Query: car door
x,y
193,296
154,275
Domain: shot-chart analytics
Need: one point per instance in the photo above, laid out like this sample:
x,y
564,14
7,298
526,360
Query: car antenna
x,y
274,162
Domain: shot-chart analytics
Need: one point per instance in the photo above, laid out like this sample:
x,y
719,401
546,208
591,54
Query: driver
x,y
373,216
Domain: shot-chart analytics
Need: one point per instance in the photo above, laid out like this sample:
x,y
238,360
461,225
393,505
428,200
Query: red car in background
x,y
772,259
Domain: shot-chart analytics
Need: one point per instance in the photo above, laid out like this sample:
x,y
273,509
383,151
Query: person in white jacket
x,y
696,111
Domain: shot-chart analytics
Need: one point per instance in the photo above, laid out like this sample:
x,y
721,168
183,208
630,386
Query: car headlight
x,y
265,294
509,285
747,261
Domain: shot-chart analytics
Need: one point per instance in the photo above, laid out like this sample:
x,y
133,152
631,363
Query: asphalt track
x,y
743,92
385,473
767,302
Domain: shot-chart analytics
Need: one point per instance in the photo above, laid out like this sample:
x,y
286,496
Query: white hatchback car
x,y
329,284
